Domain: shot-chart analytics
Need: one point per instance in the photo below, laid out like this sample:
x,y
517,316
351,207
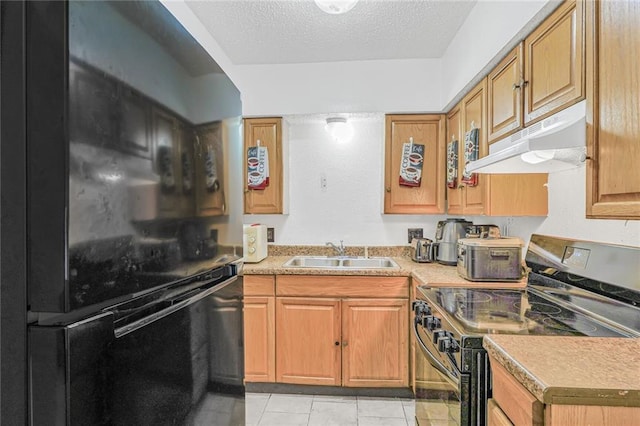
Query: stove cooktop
x,y
481,311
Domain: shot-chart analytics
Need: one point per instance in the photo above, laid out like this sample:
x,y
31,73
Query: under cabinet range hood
x,y
553,144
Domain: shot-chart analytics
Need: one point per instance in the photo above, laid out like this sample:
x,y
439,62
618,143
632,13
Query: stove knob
x,y
448,345
438,335
421,308
431,323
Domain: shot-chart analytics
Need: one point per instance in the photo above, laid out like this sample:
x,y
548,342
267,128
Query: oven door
x,y
442,392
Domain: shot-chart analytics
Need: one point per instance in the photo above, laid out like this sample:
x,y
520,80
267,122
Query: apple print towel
x,y
257,167
470,154
411,164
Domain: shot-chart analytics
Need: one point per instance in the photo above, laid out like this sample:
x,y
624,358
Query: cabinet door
x,y
554,63
474,107
308,341
259,339
504,93
427,130
375,343
269,132
613,102
454,133
209,170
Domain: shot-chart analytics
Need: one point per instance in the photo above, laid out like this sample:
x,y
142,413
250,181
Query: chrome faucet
x,y
339,250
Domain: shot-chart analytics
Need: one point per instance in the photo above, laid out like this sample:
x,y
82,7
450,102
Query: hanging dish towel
x,y
411,164
470,154
257,167
452,164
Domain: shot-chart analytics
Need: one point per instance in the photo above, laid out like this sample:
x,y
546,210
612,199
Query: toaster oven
x,y
493,259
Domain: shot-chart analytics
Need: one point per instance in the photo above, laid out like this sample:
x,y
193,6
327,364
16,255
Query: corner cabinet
x,y
613,102
428,197
267,133
489,194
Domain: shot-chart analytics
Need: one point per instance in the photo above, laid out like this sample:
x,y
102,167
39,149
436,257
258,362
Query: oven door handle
x,y
455,381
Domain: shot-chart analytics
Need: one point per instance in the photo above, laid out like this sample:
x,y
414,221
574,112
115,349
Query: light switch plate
x,y
271,235
414,233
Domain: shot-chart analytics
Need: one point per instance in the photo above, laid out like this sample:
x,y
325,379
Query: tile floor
x,y
264,409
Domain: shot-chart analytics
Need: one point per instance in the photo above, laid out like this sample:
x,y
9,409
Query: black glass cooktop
x,y
483,311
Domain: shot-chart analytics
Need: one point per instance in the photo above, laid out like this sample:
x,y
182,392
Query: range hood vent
x,y
553,144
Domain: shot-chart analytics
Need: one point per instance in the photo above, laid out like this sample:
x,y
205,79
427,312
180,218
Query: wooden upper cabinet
x,y
613,102
269,132
504,88
474,108
427,130
493,194
554,63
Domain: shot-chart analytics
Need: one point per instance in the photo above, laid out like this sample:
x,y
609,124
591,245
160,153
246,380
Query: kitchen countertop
x,y
430,274
572,370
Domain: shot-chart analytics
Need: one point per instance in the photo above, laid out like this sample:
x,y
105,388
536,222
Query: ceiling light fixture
x,y
336,7
339,129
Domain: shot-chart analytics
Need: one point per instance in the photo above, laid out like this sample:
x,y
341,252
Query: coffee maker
x,y
448,232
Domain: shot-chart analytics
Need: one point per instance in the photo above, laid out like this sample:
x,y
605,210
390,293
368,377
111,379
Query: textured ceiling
x,y
297,31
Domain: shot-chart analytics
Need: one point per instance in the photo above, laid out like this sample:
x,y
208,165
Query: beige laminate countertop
x,y
430,274
572,370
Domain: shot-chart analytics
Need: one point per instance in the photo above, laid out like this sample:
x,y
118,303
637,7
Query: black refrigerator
x,y
134,312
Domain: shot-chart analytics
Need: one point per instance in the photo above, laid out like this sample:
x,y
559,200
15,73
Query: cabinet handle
x,y
345,343
337,343
388,189
522,83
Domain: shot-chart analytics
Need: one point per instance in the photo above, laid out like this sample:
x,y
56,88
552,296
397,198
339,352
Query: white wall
x,y
490,26
411,85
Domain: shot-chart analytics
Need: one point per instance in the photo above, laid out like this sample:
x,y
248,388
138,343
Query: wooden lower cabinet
x,y
259,328
512,404
308,346
259,339
321,330
375,343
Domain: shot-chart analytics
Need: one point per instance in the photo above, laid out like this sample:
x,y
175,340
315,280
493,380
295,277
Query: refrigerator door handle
x,y
142,322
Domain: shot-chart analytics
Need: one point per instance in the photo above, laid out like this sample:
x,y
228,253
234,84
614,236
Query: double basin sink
x,y
340,262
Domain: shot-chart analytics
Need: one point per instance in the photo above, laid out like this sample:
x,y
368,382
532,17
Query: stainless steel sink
x,y
313,262
328,262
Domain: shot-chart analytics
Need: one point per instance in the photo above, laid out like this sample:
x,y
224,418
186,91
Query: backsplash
x,y
303,250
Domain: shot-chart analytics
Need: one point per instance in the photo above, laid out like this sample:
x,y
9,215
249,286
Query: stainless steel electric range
x,y
574,288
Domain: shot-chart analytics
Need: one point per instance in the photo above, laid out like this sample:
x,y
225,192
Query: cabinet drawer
x,y
259,285
518,404
342,286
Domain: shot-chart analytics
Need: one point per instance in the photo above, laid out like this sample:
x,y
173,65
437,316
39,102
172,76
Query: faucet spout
x,y
339,250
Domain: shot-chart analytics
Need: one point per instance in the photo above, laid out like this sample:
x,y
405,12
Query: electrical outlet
x,y
414,233
271,235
